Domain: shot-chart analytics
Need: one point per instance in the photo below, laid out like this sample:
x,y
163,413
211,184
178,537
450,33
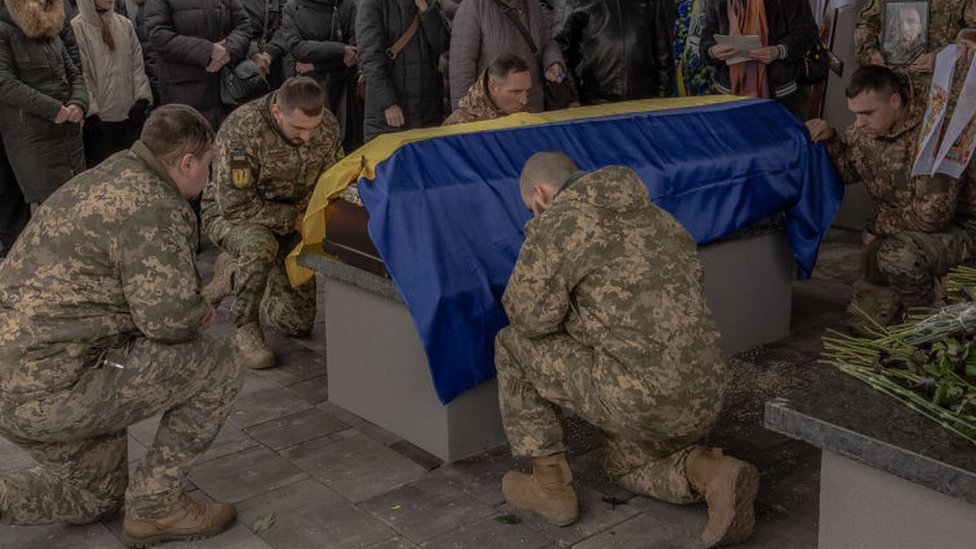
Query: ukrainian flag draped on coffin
x,y
446,215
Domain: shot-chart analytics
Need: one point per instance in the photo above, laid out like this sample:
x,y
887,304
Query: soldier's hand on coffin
x,y
304,68
723,51
877,58
819,130
765,55
924,64
394,116
208,318
349,55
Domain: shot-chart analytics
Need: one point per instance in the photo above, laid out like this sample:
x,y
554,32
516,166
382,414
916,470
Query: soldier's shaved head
x,y
546,168
174,130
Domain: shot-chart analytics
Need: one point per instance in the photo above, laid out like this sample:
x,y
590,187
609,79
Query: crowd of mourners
x,y
79,77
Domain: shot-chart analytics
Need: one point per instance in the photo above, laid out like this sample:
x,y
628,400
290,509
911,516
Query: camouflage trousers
x,y
902,271
261,286
535,376
78,435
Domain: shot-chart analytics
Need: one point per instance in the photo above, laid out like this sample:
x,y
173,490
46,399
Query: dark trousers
x,y
14,211
103,139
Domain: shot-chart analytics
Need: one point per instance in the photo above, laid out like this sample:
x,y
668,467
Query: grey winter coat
x,y
37,77
481,31
182,34
411,80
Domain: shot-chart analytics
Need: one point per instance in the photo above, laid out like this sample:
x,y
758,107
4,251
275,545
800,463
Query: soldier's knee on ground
x,y
258,246
287,318
222,362
900,260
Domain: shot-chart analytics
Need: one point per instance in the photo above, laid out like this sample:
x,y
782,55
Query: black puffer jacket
x,y
619,49
182,33
37,77
317,32
790,23
411,80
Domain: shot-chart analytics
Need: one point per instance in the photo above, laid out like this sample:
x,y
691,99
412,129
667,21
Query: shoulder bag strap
x,y
397,47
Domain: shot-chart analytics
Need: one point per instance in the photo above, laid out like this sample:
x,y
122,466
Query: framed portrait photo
x,y
904,33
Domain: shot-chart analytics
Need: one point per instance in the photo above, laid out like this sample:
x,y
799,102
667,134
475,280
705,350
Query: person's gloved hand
x,y
139,110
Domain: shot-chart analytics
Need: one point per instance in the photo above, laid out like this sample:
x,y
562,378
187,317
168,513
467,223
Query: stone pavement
x,y
333,480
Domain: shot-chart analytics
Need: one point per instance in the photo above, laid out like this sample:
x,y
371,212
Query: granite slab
x,y
845,416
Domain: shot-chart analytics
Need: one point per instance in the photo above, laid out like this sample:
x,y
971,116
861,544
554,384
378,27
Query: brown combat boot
x,y
729,486
221,285
547,492
250,340
188,520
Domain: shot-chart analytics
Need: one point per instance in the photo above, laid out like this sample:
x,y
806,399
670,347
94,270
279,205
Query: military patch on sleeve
x,y
240,170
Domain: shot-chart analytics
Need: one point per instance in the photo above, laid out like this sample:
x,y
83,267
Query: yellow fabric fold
x,y
362,162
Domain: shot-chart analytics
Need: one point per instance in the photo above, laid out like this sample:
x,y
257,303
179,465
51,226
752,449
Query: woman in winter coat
x,y
786,29
266,18
118,88
42,97
193,40
320,35
406,92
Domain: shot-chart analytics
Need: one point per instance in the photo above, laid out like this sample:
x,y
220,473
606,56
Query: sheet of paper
x,y
945,65
743,43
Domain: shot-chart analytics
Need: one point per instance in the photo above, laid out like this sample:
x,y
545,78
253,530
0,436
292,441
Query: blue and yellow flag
x,y
446,215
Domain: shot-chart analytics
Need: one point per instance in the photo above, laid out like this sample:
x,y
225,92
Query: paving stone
x,y
313,391
89,536
418,455
230,440
581,437
309,515
775,530
426,508
596,515
490,533
281,344
689,519
369,429
297,365
354,465
264,405
481,474
395,543
640,532
238,537
296,428
588,471
144,431
243,475
137,451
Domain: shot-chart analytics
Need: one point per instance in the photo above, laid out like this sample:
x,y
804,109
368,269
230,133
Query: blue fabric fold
x,y
446,215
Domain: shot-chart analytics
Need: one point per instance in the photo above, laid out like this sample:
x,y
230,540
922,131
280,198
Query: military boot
x,y
250,340
222,283
547,492
729,486
188,519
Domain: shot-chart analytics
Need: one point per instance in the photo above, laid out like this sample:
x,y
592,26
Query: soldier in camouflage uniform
x,y
101,326
502,89
945,19
269,155
609,321
912,240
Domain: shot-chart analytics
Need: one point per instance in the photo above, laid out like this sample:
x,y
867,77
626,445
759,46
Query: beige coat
x,y
115,79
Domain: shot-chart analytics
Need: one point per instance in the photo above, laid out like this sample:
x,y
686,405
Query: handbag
x,y
242,83
558,95
814,65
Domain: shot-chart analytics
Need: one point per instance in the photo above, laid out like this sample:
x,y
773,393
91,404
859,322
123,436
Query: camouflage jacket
x,y
108,257
904,203
946,19
258,176
475,105
620,276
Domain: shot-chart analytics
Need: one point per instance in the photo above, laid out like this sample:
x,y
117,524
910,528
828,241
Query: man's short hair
x,y
878,79
302,93
552,167
174,130
505,64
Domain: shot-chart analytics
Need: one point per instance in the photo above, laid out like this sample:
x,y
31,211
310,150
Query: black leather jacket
x,y
619,49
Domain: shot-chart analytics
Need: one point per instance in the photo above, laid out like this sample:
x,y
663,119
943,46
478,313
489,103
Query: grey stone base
x,y
863,507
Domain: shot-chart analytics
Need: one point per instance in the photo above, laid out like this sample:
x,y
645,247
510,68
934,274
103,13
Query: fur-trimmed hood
x,y
35,19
